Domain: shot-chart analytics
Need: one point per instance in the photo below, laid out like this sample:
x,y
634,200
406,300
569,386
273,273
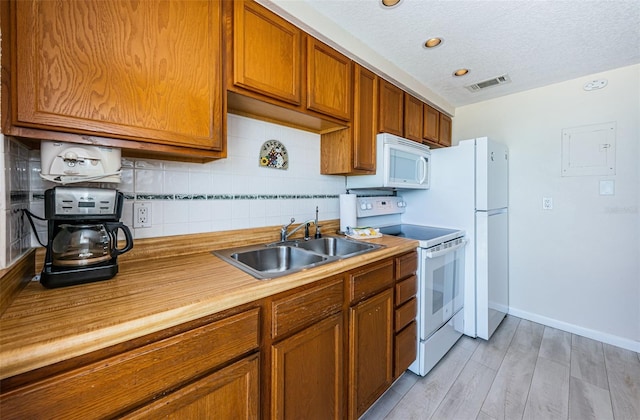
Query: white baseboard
x,y
614,340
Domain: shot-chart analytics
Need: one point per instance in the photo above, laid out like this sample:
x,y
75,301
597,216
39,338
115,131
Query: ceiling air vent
x,y
500,80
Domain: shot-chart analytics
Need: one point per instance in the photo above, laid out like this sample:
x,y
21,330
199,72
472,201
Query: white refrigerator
x,y
469,190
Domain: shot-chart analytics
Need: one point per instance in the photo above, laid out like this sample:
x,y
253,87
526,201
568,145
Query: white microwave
x,y
400,164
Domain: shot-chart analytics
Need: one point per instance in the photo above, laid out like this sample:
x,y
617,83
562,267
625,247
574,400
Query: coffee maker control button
x,y
71,156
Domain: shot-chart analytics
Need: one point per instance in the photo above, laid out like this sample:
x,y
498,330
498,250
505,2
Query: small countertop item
x,y
363,233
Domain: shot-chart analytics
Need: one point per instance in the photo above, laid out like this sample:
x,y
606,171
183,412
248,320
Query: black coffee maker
x,y
83,225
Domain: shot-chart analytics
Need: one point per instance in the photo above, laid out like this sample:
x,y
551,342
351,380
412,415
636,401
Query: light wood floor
x,y
525,371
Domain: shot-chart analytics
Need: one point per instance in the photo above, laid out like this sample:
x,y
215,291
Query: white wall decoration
x,y
273,154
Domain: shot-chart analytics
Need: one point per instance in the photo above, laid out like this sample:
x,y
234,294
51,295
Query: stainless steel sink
x,y
277,259
335,246
282,258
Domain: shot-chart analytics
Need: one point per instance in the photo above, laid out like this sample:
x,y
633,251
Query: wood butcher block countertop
x,y
44,326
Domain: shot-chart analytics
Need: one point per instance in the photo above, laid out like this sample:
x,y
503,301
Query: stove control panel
x,y
379,206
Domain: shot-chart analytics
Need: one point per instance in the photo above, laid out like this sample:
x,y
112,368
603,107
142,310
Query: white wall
x,y
575,266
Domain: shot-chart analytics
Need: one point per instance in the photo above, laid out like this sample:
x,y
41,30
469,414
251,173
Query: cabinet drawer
x,y
406,289
370,280
406,348
228,393
304,308
406,265
406,313
118,383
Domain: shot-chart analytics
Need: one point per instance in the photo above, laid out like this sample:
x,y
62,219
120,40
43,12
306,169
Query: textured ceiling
x,y
536,43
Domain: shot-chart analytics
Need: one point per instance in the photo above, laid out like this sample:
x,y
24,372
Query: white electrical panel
x,y
589,150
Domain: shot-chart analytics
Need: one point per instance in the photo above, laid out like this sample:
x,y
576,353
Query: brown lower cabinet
x,y
371,351
326,350
231,393
130,380
307,352
306,378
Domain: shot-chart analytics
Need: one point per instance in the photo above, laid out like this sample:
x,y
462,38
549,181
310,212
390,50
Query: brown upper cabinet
x,y
329,87
390,109
430,123
126,70
412,118
267,53
404,115
445,130
353,150
278,72
133,75
436,127
365,119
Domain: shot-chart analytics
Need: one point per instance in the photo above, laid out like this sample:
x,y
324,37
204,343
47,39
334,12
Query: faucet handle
x,y
283,230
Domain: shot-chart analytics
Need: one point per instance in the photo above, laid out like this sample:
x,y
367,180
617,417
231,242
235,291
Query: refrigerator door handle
x,y
496,211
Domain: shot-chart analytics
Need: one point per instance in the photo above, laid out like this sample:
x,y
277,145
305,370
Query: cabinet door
x,y
406,348
365,119
370,351
231,393
430,123
445,130
329,88
121,68
306,381
266,53
412,118
353,150
390,112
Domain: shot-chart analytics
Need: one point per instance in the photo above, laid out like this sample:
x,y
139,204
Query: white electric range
x,y
440,276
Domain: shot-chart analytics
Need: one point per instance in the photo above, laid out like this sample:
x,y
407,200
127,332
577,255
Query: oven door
x,y
441,293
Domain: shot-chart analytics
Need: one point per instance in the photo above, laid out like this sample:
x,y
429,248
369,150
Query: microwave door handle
x,y
423,167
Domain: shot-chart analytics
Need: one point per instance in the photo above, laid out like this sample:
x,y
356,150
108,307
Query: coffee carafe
x,y
83,226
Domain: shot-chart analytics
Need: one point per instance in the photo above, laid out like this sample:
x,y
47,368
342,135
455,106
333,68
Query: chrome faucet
x,y
284,234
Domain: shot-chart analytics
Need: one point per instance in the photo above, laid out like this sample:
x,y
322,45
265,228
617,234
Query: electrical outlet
x,y
547,203
141,214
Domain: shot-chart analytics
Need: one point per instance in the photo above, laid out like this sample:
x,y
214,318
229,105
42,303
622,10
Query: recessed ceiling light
x,y
433,42
460,72
390,3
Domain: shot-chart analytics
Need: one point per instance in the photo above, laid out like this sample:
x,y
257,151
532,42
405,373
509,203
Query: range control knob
x,y
369,206
363,206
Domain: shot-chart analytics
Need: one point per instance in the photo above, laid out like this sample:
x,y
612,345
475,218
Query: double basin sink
x,y
282,258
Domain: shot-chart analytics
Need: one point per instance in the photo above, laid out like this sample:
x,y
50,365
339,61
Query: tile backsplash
x,y
232,193
14,179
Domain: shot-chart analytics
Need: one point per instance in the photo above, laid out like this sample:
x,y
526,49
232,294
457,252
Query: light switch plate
x,y
607,187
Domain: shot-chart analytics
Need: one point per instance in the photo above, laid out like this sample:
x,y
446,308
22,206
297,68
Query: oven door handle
x,y
436,254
